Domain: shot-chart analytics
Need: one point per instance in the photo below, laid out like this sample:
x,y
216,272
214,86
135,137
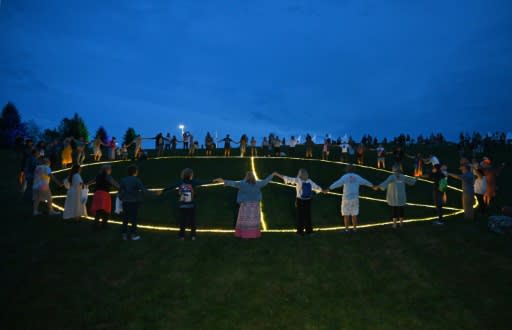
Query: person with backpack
x,y
440,185
350,200
186,188
305,188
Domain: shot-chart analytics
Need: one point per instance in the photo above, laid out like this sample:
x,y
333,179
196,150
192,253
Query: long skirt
x,y
101,202
73,206
248,224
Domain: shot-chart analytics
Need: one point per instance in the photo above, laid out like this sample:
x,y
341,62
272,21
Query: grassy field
x,y
64,276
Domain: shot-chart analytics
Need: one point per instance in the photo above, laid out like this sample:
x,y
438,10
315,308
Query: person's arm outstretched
x,y
384,185
336,184
228,183
455,176
264,182
286,179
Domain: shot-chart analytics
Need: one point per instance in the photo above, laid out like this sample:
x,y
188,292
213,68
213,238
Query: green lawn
x,y
64,276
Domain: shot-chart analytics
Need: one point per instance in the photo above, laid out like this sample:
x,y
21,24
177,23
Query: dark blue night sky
x,y
288,66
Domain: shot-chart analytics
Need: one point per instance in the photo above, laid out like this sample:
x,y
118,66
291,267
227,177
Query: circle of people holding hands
x,y
478,180
132,191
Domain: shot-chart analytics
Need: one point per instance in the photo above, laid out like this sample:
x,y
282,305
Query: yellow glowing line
x,y
375,199
264,225
262,215
357,165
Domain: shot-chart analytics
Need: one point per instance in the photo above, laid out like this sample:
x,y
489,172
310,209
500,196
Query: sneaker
x,y
438,223
135,237
124,237
36,213
193,238
54,213
345,231
181,238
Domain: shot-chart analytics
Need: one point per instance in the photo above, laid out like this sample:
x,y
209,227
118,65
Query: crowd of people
x,y
478,178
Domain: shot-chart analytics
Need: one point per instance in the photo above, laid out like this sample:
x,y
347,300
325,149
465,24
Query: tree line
x,y
14,130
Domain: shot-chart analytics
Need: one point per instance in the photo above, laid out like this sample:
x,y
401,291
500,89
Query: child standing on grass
x,y
131,192
350,200
305,188
396,194
186,188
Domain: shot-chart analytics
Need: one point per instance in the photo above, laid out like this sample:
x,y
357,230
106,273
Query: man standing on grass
x,y
350,200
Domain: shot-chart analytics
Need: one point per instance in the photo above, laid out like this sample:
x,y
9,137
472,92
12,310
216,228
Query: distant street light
x,y
182,127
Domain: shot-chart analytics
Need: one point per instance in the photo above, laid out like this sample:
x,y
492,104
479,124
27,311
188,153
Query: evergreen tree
x,y
50,134
11,118
74,126
11,126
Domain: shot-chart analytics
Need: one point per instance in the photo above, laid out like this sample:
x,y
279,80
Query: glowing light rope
x,y
375,199
262,215
456,211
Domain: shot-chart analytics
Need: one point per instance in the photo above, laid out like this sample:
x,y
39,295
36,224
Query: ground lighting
x,y
454,211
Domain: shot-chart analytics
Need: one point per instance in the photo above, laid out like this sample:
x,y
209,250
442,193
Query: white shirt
x,y
350,183
298,185
434,161
344,148
480,185
293,143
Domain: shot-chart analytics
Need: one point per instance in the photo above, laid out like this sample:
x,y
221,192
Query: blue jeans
x,y
130,210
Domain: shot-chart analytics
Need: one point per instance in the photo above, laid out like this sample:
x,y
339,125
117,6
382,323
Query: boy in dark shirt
x,y
186,191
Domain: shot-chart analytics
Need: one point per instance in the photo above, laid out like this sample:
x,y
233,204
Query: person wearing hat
x,y
468,190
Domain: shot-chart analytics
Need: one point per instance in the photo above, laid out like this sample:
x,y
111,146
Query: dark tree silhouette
x,y
74,126
11,126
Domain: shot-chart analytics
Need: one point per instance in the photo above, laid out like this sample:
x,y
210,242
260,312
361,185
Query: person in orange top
x,y
66,154
490,173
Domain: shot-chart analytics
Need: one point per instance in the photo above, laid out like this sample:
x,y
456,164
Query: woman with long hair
x,y
248,224
74,206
